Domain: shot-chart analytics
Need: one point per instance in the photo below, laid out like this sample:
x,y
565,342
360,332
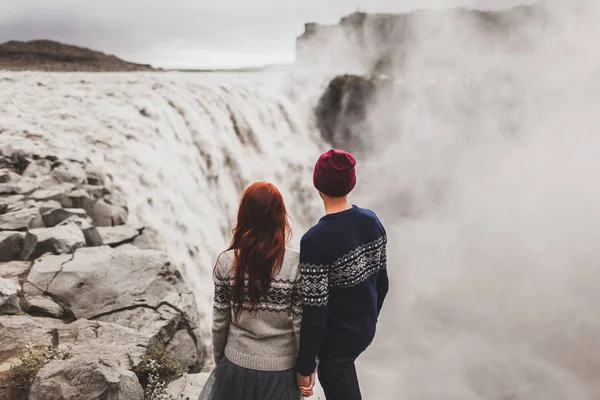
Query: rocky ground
x,y
76,278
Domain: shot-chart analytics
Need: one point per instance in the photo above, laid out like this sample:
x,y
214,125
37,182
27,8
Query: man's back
x,y
343,267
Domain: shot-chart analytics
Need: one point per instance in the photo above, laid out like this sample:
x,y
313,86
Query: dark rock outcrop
x,y
47,55
342,111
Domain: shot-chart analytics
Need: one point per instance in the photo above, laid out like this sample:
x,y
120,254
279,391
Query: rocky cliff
x,y
381,42
81,288
47,55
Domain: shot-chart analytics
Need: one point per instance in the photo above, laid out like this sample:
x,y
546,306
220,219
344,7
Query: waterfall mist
x,y
485,175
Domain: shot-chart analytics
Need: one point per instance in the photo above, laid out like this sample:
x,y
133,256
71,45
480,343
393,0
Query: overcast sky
x,y
192,33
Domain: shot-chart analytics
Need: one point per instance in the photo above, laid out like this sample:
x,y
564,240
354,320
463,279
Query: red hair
x,y
259,240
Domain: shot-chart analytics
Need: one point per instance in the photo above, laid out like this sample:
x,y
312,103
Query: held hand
x,y
306,384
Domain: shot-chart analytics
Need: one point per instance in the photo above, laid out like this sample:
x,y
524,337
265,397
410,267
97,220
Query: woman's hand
x,y
306,384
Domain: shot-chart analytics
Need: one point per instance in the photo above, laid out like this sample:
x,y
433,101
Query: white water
x,y
169,143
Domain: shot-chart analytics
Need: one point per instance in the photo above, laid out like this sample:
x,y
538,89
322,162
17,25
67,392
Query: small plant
x,y
21,375
155,369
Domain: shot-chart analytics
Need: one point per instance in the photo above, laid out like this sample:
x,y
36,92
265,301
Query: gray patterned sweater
x,y
264,340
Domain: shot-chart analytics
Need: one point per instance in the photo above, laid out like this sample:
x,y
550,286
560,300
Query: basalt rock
x,y
58,240
9,296
21,220
85,378
11,245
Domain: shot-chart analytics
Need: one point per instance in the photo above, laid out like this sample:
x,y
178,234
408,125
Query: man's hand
x,y
306,384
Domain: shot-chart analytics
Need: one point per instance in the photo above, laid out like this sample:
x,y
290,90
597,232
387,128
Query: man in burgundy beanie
x,y
344,283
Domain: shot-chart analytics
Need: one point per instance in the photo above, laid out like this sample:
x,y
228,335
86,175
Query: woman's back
x,y
262,336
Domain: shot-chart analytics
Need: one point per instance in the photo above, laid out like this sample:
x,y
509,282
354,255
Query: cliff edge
x,y
47,55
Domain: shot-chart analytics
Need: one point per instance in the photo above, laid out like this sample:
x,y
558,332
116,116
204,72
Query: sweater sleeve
x,y
221,308
297,308
382,279
314,269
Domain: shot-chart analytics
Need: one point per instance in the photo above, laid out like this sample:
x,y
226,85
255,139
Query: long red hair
x,y
259,239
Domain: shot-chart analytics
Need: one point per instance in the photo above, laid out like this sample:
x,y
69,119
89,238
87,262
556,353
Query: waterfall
x,y
180,147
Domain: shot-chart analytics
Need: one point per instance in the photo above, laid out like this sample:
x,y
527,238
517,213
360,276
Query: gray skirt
x,y
232,382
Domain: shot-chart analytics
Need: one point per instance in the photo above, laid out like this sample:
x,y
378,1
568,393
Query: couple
x,y
276,312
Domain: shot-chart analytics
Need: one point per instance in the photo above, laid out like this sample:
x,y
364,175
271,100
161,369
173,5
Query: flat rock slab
x,y
58,240
85,378
56,216
116,235
11,245
104,213
101,280
14,269
17,331
21,220
189,385
44,306
161,324
90,232
45,269
58,195
121,345
9,296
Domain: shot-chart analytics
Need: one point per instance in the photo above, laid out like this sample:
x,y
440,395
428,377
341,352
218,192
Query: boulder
x,y
100,280
5,188
104,213
5,163
188,386
90,232
56,194
70,172
96,191
45,269
56,216
63,239
4,175
21,220
49,205
80,198
183,349
86,377
95,174
44,307
9,296
116,343
135,288
116,235
161,323
38,168
14,269
25,186
11,245
17,331
3,207
22,205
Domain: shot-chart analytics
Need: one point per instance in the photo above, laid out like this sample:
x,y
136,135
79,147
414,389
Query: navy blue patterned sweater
x,y
344,283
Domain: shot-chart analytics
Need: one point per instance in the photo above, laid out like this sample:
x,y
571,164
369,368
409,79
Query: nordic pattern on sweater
x,y
263,337
348,270
343,264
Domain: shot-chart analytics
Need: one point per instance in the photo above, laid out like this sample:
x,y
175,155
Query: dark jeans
x,y
338,379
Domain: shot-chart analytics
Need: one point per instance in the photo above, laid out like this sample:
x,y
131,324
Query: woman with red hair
x,y
257,305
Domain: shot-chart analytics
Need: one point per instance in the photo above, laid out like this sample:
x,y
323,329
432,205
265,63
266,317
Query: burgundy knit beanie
x,y
334,173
